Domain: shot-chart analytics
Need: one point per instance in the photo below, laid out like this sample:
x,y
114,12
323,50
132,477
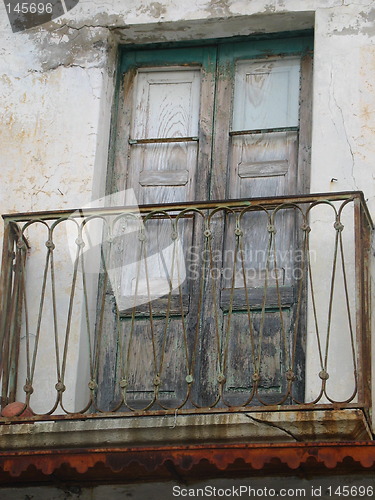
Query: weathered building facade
x,y
187,263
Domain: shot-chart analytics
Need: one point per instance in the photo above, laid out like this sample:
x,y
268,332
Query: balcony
x,y
215,321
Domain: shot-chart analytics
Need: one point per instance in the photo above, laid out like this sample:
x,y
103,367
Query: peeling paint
x,y
155,9
218,8
66,46
368,17
270,8
361,23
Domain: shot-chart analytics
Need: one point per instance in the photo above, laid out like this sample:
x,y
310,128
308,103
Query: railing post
x,y
6,280
11,288
15,310
362,233
366,312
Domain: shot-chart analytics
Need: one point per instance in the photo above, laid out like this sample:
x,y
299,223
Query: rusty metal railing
x,y
209,306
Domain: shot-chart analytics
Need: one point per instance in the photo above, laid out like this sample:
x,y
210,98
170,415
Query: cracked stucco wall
x,y
343,116
57,80
344,100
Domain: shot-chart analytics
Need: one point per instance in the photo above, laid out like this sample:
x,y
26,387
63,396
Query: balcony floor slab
x,y
250,427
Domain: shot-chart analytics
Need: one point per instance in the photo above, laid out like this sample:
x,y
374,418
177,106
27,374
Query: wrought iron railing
x,y
210,306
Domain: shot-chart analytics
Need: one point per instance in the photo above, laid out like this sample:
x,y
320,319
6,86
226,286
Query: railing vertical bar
x,y
95,354
358,238
181,304
70,314
366,312
263,313
31,370
87,314
300,297
16,319
330,307
6,292
6,280
362,329
166,322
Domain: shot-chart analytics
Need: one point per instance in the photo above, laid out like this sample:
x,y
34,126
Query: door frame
x,y
206,55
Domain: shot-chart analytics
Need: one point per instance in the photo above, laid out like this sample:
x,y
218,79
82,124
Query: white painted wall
x,y
56,91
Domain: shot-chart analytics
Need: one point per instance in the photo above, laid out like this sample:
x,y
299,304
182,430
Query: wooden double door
x,y
223,121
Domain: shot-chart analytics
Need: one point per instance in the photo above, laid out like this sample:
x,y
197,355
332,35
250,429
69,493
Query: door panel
x,y
164,135
251,352
266,94
166,107
162,168
263,165
258,297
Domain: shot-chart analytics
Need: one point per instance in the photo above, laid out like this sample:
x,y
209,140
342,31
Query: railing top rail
x,y
244,202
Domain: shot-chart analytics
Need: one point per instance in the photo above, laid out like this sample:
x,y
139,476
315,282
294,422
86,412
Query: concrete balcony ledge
x,y
241,427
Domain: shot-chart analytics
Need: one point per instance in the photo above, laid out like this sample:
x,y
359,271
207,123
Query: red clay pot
x,y
15,409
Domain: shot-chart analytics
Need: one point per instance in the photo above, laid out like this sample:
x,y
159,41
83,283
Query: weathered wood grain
x,y
163,177
263,168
